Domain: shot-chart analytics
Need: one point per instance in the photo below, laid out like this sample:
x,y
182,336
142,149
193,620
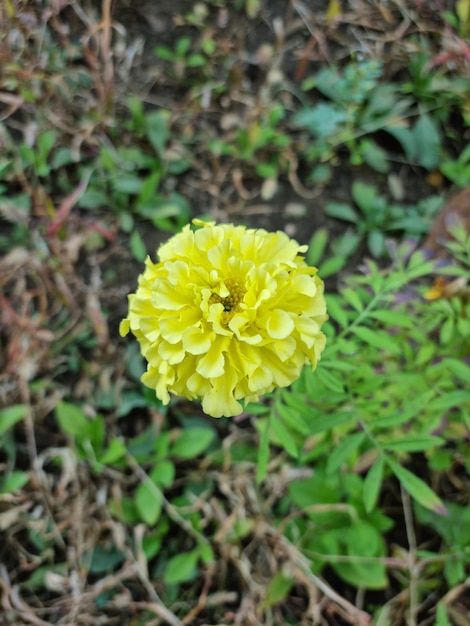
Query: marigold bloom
x,y
228,313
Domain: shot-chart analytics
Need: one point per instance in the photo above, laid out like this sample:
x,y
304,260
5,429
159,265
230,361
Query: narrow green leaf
x,y
441,615
414,443
377,339
137,246
148,502
372,484
263,451
284,437
417,488
329,380
336,309
450,400
352,297
343,451
393,318
317,246
428,142
327,422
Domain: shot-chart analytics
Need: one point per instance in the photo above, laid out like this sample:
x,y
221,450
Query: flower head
x,y
227,314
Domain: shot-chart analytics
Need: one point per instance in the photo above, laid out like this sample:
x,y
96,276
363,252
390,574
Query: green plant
x,y
262,143
458,170
358,105
182,58
375,217
355,422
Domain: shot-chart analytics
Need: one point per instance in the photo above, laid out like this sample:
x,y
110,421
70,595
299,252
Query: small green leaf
x,y
16,480
115,451
377,338
284,437
192,442
317,246
73,421
417,488
342,211
353,299
138,248
181,568
11,415
327,422
441,615
365,196
263,450
372,484
277,590
148,501
343,451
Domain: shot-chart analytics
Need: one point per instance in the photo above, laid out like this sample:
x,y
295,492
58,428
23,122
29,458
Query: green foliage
x,y
358,105
374,217
356,423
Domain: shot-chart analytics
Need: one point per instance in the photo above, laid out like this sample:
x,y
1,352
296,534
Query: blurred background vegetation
x,y
341,500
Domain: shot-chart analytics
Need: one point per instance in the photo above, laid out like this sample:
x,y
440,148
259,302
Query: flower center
x,y
230,302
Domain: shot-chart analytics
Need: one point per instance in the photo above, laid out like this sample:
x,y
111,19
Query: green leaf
x,y
317,246
263,451
128,184
441,615
336,309
158,130
163,473
329,380
138,249
377,339
376,243
193,441
352,297
14,481
365,196
414,443
372,484
105,559
331,266
181,568
393,318
363,540
293,414
449,400
277,590
427,142
148,502
322,120
342,211
327,422
11,415
115,452
284,437
73,421
417,488
343,451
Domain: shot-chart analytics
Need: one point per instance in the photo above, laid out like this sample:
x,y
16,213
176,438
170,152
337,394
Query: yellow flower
x,y
227,314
